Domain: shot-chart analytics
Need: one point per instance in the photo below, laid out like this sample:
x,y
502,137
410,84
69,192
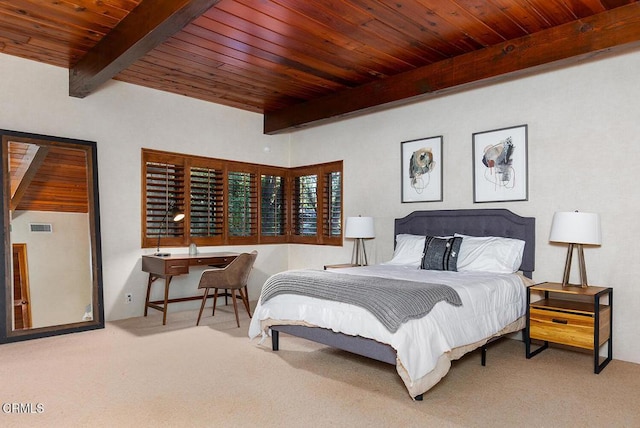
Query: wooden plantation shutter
x,y
304,211
164,188
238,203
272,206
332,205
207,205
242,204
316,204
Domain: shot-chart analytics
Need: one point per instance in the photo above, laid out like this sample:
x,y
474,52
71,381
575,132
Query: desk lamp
x,y
359,228
175,215
576,229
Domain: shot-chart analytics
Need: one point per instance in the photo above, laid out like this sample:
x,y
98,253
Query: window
x,y
305,205
332,208
228,202
206,208
164,190
316,200
242,197
272,205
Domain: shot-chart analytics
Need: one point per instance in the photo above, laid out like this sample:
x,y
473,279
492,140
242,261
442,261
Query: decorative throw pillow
x,y
441,253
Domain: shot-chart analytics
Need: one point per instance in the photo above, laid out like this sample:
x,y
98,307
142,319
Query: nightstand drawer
x,y
562,327
568,328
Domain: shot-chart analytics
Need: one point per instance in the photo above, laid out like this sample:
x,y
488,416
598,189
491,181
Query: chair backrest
x,y
234,275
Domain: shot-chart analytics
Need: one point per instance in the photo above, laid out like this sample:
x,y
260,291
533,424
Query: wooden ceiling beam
x,y
148,25
35,162
612,31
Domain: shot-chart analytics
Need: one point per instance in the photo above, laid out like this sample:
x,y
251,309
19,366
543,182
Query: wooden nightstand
x,y
340,266
585,324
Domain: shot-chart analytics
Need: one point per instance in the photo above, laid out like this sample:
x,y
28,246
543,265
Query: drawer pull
x,y
559,321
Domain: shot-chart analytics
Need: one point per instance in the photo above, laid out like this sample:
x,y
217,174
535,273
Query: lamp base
x,y
581,265
162,254
359,254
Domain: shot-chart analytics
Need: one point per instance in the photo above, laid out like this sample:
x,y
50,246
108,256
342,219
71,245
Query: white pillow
x,y
490,254
409,249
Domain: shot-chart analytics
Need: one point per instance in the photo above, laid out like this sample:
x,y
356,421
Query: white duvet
x,y
489,303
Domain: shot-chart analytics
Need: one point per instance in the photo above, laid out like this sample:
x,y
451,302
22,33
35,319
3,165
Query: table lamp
x,y
175,215
576,229
359,228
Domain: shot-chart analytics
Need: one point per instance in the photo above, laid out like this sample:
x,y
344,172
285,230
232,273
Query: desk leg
x,y
146,302
167,281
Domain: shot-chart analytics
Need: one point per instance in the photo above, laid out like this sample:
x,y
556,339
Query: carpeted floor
x,y
138,373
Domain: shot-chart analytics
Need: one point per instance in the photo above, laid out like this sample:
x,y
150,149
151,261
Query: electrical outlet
x,y
128,298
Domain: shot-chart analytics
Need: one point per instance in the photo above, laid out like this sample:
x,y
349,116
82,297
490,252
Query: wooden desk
x,y
177,264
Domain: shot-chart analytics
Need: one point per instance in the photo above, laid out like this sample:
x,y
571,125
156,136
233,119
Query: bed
x,y
422,347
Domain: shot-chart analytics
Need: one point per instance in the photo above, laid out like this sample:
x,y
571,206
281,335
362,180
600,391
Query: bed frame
x,y
474,222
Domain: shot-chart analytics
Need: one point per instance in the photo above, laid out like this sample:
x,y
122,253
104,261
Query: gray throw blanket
x,y
391,301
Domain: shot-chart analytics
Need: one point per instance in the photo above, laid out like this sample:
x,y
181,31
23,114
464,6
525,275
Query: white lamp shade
x,y
576,228
359,227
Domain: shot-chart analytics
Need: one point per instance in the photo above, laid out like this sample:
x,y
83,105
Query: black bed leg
x,y
418,397
275,340
483,357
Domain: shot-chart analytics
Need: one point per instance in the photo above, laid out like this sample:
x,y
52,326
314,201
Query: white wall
x,y
122,119
60,275
583,147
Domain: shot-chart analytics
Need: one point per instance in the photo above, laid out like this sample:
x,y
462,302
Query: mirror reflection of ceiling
x,y
48,178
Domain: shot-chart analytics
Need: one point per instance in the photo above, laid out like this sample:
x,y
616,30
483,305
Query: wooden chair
x,y
232,279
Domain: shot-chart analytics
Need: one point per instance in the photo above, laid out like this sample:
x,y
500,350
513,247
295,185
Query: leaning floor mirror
x,y
52,268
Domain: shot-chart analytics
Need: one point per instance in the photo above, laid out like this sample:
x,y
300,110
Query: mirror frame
x,y
7,333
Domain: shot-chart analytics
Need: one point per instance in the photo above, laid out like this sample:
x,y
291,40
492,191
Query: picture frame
x,y
500,165
421,170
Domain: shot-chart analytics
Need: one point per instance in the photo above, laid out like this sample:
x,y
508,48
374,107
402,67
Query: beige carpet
x,y
138,373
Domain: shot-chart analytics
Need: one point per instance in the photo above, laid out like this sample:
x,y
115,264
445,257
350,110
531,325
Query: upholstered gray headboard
x,y
482,222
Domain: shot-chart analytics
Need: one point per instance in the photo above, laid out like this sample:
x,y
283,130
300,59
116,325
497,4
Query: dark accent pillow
x,y
441,253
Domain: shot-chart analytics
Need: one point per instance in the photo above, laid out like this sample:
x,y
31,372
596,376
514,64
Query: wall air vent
x,y
41,227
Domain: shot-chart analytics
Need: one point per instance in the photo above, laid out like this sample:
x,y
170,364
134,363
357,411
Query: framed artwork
x,y
422,170
500,165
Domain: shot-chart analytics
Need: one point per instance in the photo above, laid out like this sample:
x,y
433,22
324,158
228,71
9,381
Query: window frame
x,y
225,167
279,172
294,174
320,171
237,167
152,241
218,165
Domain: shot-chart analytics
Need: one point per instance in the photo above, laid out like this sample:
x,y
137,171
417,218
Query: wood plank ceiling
x,y
46,178
303,62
